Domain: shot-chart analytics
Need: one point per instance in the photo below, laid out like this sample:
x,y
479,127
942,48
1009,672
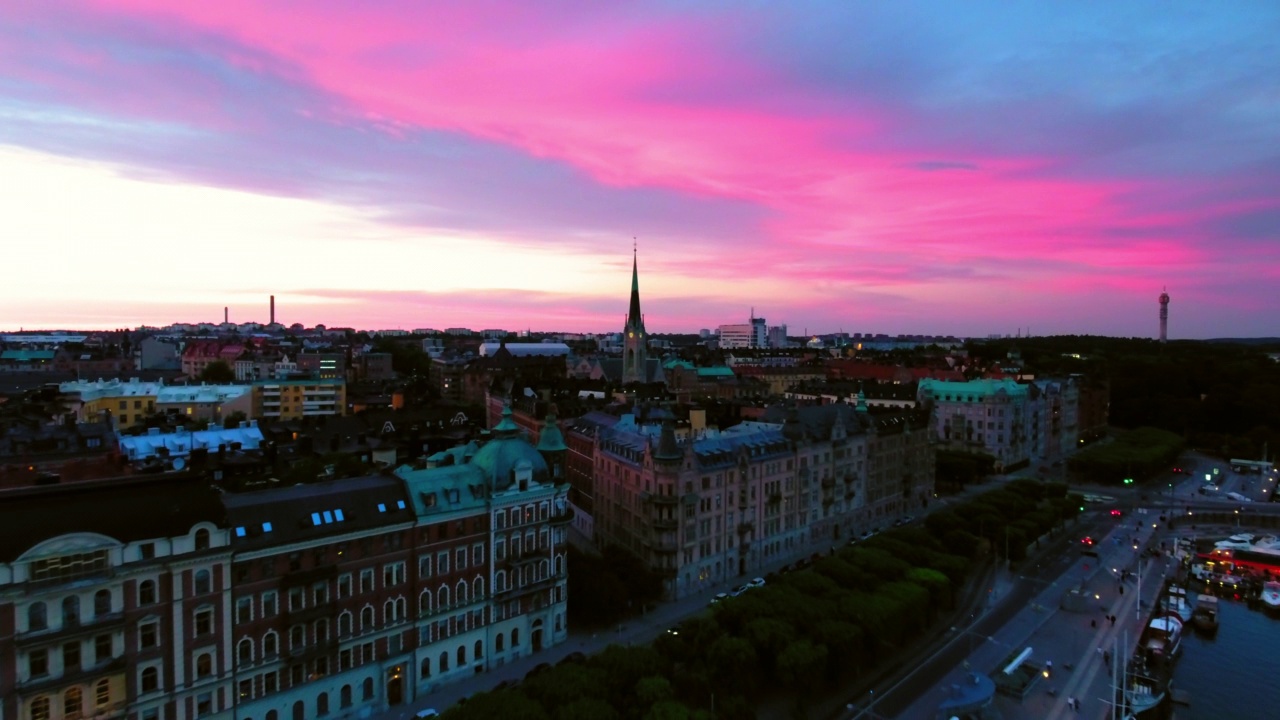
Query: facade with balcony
x,y
294,399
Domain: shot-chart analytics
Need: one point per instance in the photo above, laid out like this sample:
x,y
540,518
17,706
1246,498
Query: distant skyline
x,y
907,167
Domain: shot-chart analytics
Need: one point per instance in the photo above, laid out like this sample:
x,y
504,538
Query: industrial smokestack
x,y
273,309
226,314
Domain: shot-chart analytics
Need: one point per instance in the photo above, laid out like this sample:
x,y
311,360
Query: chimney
x,y
226,314
273,309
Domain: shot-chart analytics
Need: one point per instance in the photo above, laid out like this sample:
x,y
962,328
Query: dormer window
x,y
382,507
400,504
266,527
337,515
240,532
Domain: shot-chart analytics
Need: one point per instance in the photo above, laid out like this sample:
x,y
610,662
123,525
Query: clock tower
x,y
635,356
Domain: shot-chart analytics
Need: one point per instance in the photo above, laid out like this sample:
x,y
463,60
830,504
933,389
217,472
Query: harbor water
x,y
1231,675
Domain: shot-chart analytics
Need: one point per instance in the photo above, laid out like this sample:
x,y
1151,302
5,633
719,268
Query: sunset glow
x,y
871,167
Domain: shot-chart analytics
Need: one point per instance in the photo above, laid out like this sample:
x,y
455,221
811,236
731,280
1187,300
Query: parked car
x,y
756,582
719,597
426,713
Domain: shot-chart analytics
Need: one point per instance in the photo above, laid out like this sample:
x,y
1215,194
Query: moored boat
x,y
1163,637
1205,614
1271,596
1175,601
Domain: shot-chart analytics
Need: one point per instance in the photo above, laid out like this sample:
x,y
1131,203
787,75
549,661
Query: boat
x,y
1205,614
1163,637
1271,596
1175,601
1145,688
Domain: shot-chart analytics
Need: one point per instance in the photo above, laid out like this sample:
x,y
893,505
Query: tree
x,y
802,666
233,420
587,708
733,665
218,372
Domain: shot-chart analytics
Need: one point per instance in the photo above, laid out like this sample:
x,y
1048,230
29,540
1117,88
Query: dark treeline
x,y
1220,397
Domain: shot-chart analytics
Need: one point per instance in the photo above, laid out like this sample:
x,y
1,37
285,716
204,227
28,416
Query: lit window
x,y
382,507
266,527
315,518
328,517
337,514
400,504
239,532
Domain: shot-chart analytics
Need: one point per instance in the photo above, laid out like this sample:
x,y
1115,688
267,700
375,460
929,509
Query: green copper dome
x,y
509,457
551,439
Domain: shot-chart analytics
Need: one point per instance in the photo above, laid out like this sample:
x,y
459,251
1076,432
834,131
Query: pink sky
x,y
875,168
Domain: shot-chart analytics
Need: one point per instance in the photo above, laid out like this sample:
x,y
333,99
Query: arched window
x,y
366,619
102,603
71,611
424,603
479,650
500,581
477,589
269,644
497,643
442,597
37,617
444,662
40,708
559,565
344,697
271,715
322,704
244,651
515,637
344,623
402,608
367,691
388,612
424,670
297,637
202,539
462,592
102,693
543,568
299,711
462,655
147,592
204,582
321,630
150,679
72,702
204,665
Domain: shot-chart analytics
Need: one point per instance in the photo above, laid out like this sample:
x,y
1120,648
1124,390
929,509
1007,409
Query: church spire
x,y
634,318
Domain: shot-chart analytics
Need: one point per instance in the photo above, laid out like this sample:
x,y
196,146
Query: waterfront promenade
x,y
1070,639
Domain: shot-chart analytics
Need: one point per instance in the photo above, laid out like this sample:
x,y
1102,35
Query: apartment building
x,y
294,399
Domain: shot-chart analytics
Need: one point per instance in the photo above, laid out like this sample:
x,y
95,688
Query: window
x,y
102,693
424,602
270,604
366,691
246,689
424,567
460,559
344,624
38,663
204,665
204,621
442,597
319,594
40,708
269,645
147,592
296,598
244,651
366,580
444,662
72,702
102,603
477,554
148,634
344,697
462,655
71,656
204,582
479,651
244,610
202,539
297,637
150,679
366,619
393,574
37,616
270,683
344,586
204,704
515,637
424,670
70,611
103,649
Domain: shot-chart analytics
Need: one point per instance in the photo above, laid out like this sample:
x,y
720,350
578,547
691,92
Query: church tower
x,y
635,356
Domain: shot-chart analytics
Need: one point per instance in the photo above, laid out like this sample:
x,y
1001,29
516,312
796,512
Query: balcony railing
x,y
563,517
665,524
515,592
659,499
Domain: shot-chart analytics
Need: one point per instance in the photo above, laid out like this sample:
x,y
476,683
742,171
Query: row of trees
x,y
1136,453
606,588
800,635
